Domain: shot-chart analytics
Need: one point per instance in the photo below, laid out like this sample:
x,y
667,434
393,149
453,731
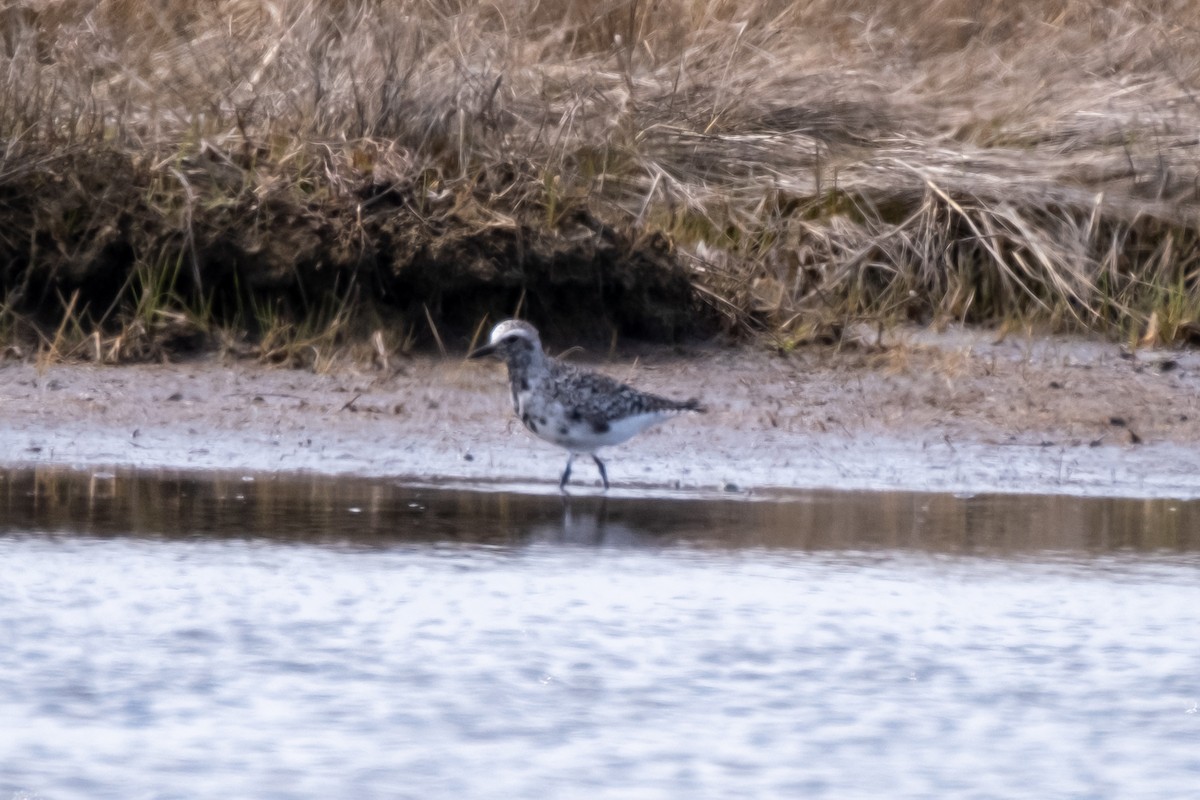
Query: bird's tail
x,y
694,404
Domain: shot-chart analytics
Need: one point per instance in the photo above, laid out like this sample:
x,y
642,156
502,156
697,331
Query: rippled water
x,y
181,637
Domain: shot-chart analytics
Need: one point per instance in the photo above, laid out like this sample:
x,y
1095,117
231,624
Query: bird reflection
x,y
586,521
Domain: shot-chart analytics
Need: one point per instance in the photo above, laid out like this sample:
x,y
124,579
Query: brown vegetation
x,y
170,169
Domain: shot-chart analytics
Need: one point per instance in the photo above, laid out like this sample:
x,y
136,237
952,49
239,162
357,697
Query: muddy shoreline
x,y
958,412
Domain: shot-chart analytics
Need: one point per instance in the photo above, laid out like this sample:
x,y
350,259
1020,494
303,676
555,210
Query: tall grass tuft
x,y
807,163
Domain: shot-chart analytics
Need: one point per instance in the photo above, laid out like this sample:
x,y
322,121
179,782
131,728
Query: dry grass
x,y
810,164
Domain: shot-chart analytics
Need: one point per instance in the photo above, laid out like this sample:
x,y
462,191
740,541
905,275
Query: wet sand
x,y
954,412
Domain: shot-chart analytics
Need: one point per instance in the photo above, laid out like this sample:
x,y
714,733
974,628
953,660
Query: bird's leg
x,y
603,473
566,476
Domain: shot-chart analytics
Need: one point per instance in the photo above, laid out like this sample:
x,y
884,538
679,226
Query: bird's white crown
x,y
514,327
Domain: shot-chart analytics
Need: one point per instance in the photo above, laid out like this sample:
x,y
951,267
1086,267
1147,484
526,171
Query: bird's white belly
x,y
550,421
583,438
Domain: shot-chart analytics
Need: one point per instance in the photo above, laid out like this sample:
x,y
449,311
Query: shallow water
x,y
175,636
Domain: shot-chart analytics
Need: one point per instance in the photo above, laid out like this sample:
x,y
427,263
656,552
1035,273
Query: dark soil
x,y
228,240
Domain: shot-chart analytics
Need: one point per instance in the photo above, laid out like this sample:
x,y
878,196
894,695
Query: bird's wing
x,y
598,398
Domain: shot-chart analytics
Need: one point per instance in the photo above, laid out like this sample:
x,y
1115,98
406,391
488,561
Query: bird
x,y
576,409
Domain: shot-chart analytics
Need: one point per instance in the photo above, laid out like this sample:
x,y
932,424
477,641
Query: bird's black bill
x,y
482,352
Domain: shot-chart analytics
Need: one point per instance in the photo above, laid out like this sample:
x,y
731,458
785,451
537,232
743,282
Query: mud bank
x,y
955,412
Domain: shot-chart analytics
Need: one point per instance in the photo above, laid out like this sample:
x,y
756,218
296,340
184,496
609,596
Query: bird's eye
x,y
512,337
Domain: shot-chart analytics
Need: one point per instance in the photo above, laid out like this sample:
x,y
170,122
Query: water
x,y
169,636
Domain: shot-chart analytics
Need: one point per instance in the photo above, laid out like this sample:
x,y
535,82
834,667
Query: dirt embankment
x,y
97,238
953,412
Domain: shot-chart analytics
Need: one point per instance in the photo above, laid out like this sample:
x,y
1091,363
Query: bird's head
x,y
510,339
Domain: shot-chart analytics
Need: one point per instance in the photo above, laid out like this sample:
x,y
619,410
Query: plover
x,y
577,410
